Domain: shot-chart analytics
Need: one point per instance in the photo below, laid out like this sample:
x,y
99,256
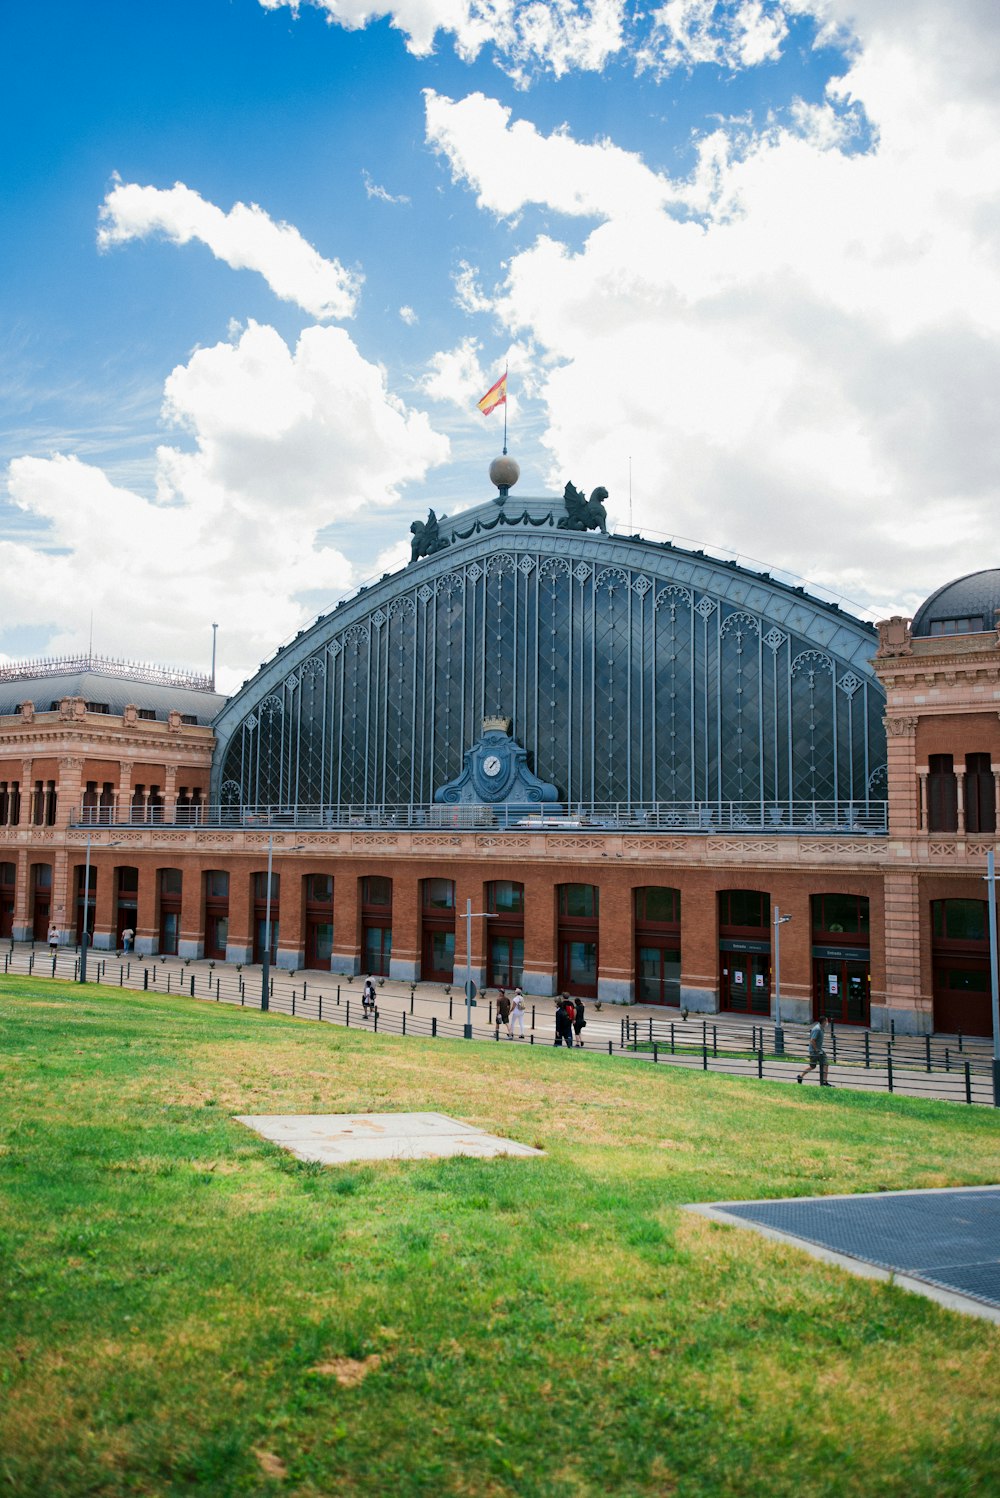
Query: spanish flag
x,y
496,396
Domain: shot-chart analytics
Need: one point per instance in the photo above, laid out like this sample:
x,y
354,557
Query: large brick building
x,y
632,756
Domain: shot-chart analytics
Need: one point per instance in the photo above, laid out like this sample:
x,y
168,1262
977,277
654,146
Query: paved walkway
x,y
727,1034
943,1244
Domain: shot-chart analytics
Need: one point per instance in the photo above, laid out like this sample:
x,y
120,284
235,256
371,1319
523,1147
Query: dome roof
x,y
966,606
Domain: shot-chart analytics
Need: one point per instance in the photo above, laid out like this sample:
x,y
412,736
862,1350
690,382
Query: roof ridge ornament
x,y
584,514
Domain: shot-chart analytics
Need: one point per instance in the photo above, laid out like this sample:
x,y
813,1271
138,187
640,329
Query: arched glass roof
x,y
636,675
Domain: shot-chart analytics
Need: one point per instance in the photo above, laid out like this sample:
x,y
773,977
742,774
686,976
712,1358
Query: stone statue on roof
x,y
584,514
427,538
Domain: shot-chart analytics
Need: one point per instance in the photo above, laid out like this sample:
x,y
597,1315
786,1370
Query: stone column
x,y
924,821
170,794
470,885
21,928
291,933
541,967
616,945
960,782
239,946
903,1001
191,937
404,965
123,804
901,774
346,956
699,941
69,790
104,901
63,908
147,929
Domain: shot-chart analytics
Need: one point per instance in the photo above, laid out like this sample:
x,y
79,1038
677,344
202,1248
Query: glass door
x,y
745,985
506,961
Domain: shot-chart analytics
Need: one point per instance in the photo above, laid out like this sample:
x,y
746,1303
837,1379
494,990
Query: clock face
x,y
491,765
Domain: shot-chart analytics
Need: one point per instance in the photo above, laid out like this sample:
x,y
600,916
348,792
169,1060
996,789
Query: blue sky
x,y
750,246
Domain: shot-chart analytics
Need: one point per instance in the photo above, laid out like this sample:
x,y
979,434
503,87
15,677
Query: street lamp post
x,y
779,1034
470,987
991,897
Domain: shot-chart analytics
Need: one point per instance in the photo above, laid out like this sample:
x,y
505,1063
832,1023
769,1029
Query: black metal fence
x,y
954,1069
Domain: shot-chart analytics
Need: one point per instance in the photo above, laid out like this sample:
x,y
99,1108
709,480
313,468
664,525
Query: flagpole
x,y
505,411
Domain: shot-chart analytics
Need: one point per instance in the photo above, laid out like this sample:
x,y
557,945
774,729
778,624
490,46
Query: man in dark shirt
x,y
817,1053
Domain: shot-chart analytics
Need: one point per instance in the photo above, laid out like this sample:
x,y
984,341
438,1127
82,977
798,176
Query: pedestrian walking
x,y
817,1053
368,997
128,936
503,1012
53,939
517,1014
579,1019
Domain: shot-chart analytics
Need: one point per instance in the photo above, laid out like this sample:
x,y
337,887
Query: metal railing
x,y
857,818
937,1067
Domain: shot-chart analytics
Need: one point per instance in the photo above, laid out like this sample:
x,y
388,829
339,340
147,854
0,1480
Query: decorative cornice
x,y
901,728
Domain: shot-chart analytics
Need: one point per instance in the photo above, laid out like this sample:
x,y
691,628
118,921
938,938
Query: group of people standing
x,y
570,1020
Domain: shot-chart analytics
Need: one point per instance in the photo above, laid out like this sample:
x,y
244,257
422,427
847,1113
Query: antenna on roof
x,y
630,494
215,630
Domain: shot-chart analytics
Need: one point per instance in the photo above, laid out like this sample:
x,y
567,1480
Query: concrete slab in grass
x,y
338,1138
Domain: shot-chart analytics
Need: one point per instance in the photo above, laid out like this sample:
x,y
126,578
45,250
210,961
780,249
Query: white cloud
x,y
285,443
382,194
468,295
798,346
510,165
527,36
456,375
245,238
688,32
408,316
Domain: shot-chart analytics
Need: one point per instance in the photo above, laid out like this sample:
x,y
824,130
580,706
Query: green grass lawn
x,y
185,1309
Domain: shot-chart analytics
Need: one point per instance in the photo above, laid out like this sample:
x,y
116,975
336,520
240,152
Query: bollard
x,y
375,1019
321,1006
449,1006
404,1021
968,1083
145,979
947,1059
338,993
715,1041
611,1048
293,1003
656,1051
192,985
532,1016
31,962
704,1055
760,1063
216,990
888,1066
867,1050
347,1020
490,1013
434,1026
53,964
927,1049
959,1040
169,975
121,977
892,1029
411,1002
531,1040
833,1038
673,1049
651,1029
